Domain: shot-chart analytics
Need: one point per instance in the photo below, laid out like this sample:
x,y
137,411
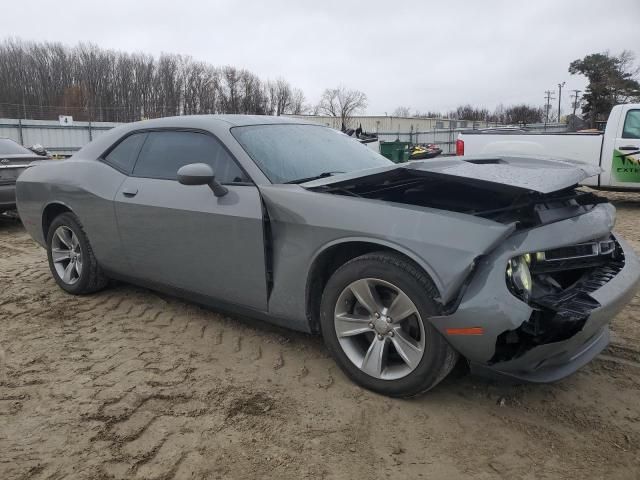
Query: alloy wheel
x,y
66,254
379,329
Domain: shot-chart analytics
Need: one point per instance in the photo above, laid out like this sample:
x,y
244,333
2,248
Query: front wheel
x,y
73,265
373,318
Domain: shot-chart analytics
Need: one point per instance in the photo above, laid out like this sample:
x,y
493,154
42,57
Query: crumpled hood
x,y
531,174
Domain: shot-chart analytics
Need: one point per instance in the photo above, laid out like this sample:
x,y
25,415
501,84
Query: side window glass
x,y
165,152
124,155
632,125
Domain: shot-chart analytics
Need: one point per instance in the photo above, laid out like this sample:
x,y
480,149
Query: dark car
x,y
14,158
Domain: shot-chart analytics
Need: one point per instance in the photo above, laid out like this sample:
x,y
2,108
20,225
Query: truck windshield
x,y
289,153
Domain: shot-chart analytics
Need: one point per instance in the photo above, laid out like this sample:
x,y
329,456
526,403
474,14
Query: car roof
x,y
24,149
217,124
245,120
226,120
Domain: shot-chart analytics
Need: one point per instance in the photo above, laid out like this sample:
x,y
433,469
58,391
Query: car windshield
x,y
289,153
9,147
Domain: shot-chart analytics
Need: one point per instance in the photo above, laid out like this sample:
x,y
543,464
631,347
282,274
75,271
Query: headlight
x,y
519,276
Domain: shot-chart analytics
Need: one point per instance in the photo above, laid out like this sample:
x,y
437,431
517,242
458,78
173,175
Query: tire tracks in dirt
x,y
127,383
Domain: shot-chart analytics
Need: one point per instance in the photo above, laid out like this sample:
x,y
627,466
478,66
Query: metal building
x,y
55,137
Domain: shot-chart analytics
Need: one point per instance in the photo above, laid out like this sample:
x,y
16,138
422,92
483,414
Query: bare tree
x,y
342,102
253,95
469,112
280,96
284,99
523,114
297,105
428,114
498,115
229,90
43,80
402,112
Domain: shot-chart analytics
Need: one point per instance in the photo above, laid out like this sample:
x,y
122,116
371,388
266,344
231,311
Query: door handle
x,y
129,191
629,147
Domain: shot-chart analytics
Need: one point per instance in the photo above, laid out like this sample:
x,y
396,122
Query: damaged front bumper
x,y
488,304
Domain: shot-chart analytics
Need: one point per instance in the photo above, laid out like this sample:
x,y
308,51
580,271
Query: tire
x,y
403,370
88,277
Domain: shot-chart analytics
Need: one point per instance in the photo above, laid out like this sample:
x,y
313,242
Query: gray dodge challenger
x,y
404,269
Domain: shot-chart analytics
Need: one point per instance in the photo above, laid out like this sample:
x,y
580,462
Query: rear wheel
x,y
71,259
374,319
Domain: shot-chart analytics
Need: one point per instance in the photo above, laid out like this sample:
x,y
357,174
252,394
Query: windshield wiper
x,y
315,177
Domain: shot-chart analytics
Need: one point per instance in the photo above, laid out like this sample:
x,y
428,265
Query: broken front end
x,y
541,303
537,306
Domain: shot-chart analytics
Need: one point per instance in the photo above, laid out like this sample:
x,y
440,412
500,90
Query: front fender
x,y
433,274
303,224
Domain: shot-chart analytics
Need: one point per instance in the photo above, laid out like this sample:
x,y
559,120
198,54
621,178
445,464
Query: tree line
x,y
512,115
43,80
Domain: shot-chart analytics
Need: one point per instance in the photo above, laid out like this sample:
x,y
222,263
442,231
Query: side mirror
x,y
201,174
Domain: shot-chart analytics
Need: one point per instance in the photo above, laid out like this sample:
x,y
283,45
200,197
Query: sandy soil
x,y
130,384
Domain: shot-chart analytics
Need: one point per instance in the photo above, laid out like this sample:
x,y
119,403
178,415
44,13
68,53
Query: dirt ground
x,y
127,383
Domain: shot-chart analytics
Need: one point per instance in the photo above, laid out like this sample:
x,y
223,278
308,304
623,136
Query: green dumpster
x,y
396,151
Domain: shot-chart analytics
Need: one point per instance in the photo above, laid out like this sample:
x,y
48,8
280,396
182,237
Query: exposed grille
x,y
561,315
574,251
575,302
583,255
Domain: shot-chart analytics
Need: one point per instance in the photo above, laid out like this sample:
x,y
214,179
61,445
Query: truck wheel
x,y
374,319
71,259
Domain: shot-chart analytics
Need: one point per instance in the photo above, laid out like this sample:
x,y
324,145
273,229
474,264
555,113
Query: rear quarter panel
x,y
87,188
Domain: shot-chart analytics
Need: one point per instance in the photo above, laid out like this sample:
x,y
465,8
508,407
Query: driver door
x,y
184,236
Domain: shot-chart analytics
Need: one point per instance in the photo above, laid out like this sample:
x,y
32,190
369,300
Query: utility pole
x,y
549,96
560,85
575,101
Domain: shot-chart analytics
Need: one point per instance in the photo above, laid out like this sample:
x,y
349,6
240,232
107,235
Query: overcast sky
x,y
424,55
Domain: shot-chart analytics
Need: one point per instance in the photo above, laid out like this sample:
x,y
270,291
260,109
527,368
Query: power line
x,y
549,96
560,85
575,100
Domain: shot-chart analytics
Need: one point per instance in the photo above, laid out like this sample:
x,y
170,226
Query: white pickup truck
x,y
616,151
